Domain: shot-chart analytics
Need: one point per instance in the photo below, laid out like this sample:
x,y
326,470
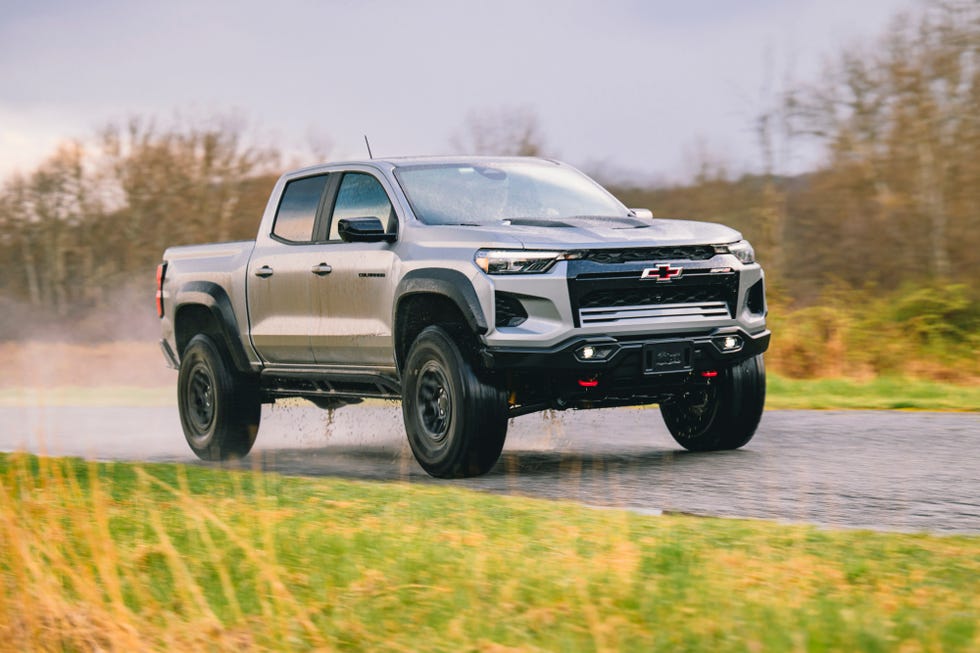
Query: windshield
x,y
516,191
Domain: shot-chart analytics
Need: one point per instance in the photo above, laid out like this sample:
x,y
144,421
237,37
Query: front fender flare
x,y
450,283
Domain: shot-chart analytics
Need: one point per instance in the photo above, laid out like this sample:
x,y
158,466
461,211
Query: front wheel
x,y
723,414
219,407
456,422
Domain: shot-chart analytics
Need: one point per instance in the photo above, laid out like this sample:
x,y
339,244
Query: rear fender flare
x,y
215,299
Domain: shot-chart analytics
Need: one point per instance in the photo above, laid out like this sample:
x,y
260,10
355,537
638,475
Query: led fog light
x,y
728,343
595,352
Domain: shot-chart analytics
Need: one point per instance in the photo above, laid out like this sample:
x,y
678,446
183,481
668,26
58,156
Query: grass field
x,y
879,393
782,393
154,557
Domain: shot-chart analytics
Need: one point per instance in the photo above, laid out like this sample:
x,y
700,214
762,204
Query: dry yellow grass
x,y
131,558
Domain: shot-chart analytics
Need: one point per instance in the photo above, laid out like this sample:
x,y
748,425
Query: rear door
x,y
354,300
280,275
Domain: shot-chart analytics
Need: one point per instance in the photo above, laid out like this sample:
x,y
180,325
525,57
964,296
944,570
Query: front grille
x,y
621,296
651,294
632,255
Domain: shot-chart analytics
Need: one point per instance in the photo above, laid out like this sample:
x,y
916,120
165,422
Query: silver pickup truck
x,y
474,290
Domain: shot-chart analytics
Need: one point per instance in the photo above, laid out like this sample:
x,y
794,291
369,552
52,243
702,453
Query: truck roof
x,y
399,161
408,161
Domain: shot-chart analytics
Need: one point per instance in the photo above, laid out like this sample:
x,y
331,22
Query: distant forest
x,y
894,207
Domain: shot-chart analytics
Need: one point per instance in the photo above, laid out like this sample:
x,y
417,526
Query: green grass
x,y
782,393
879,393
155,557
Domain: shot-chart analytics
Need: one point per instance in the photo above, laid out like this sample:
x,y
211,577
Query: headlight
x,y
742,250
496,261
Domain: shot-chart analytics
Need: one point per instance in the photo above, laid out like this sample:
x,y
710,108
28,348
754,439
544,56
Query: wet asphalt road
x,y
866,469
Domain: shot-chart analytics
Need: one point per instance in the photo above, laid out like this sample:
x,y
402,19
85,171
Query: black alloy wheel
x,y
201,398
434,403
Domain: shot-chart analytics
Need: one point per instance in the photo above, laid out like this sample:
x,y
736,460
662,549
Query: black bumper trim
x,y
706,355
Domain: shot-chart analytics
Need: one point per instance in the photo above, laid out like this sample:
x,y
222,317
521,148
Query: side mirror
x,y
363,230
643,214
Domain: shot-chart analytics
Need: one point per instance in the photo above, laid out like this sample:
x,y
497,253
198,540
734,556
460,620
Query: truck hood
x,y
581,233
586,233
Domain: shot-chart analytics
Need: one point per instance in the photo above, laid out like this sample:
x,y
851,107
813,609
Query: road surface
x,y
907,471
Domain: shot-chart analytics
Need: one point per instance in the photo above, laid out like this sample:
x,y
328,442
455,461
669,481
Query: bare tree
x,y
85,220
901,123
505,131
43,213
184,183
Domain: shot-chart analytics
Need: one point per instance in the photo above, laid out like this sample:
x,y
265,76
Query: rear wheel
x,y
456,422
219,408
723,414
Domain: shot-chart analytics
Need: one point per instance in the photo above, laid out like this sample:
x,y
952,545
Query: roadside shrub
x,y
929,331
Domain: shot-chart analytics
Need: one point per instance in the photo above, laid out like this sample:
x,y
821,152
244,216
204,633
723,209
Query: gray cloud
x,y
631,83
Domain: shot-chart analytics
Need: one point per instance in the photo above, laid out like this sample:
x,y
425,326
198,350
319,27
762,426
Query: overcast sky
x,y
623,84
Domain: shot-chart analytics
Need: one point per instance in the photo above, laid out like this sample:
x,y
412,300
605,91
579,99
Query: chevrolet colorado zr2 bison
x,y
474,290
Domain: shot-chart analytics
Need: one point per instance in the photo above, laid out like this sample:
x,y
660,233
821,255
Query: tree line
x,y
897,199
895,202
90,219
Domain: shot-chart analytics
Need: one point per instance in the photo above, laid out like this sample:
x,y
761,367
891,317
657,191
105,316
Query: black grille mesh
x,y
679,253
655,295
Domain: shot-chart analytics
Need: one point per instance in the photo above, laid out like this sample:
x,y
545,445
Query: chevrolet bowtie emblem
x,y
661,273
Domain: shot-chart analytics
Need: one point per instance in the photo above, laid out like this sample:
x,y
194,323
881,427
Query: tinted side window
x,y
297,208
360,196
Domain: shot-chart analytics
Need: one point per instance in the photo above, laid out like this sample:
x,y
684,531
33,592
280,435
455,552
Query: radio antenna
x,y
368,143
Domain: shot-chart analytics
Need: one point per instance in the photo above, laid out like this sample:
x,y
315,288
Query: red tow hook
x,y
588,383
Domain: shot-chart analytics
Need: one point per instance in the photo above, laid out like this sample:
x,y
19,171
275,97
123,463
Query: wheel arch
x,y
426,297
204,307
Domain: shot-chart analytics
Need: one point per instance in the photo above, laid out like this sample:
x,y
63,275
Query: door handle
x,y
321,270
264,271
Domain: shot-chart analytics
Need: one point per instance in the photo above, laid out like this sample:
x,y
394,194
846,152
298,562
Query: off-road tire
x,y
219,407
456,421
723,414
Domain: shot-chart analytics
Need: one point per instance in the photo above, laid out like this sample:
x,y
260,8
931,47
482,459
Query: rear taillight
x,y
161,272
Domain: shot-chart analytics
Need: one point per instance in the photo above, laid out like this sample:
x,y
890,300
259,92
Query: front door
x,y
354,299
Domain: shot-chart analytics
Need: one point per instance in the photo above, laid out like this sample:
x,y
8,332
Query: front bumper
x,y
628,360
